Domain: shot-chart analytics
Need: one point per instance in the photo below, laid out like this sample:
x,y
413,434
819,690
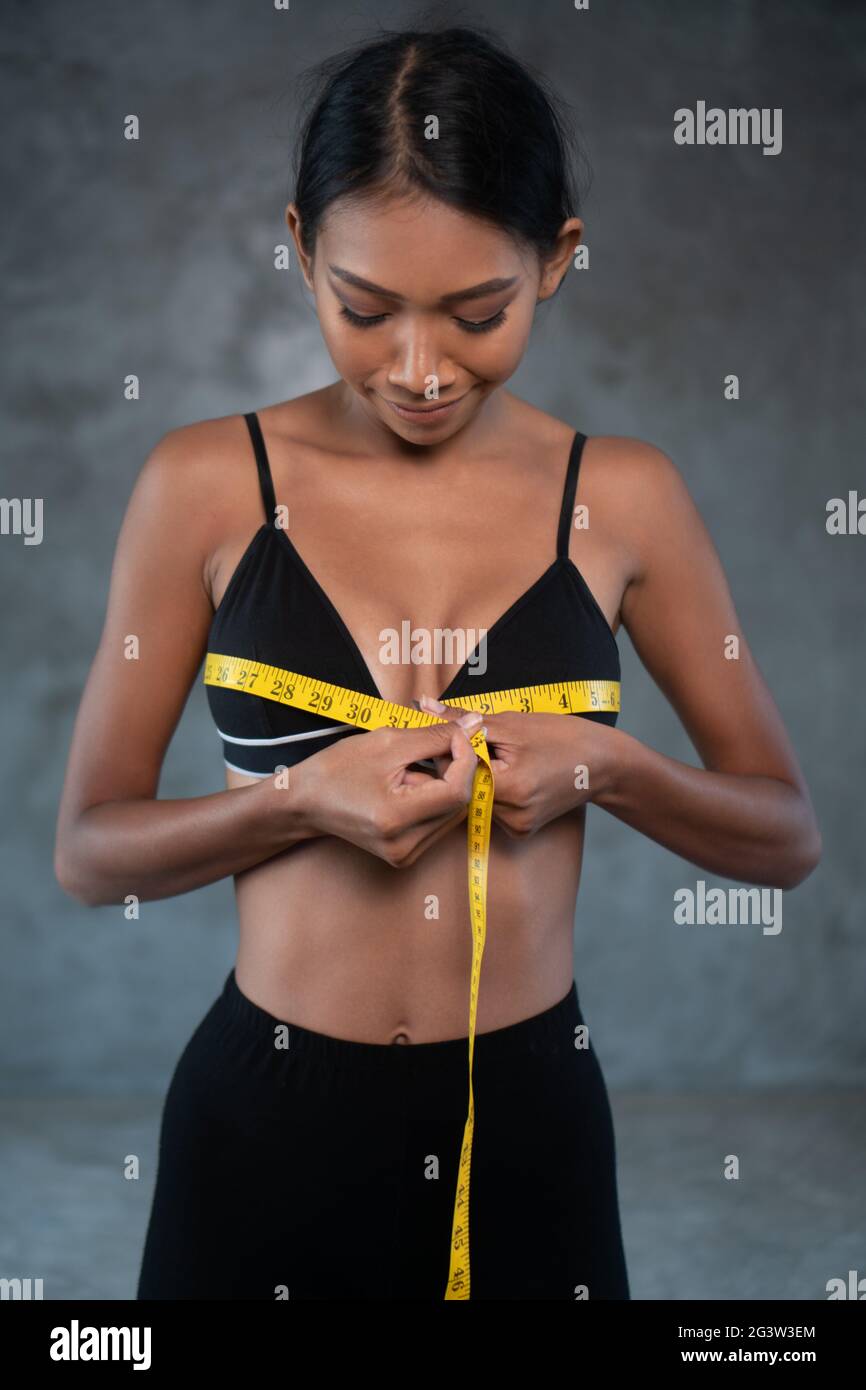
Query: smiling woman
x,y
301,1154
413,354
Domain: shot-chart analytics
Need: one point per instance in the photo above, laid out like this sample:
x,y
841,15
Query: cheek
x,y
353,351
497,355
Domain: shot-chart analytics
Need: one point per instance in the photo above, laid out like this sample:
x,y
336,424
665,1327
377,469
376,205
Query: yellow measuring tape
x,y
369,712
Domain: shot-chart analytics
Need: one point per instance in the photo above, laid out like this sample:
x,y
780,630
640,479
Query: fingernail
x,y
468,721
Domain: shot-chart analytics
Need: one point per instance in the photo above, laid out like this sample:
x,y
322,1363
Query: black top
x,y
275,611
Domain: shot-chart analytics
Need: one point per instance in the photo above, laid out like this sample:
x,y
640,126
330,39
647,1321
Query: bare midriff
x,y
338,941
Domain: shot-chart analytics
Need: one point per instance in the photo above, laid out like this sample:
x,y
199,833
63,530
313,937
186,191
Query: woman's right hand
x,y
363,790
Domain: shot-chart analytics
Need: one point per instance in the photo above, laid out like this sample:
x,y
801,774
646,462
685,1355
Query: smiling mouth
x,y
421,412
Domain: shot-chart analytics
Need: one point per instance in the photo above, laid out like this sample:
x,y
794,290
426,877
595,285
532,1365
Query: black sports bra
x,y
275,611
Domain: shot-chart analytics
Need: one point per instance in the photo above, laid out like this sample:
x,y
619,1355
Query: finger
x,y
431,706
431,741
442,795
437,828
441,765
464,760
413,777
428,833
431,835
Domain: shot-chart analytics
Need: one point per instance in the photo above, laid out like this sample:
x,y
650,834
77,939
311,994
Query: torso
x,y
332,938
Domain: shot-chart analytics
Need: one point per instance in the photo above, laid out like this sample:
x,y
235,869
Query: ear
x,y
293,222
556,265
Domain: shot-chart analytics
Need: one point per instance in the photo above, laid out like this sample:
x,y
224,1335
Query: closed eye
x,y
468,325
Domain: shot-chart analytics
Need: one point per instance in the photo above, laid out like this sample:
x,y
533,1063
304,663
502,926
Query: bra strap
x,y
266,482
566,515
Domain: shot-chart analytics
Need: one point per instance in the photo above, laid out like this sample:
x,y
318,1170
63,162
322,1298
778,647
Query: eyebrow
x,y
473,292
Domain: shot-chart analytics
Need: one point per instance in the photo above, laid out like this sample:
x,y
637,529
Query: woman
x,y
302,1154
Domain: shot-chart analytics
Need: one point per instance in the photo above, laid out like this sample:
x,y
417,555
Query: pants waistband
x,y
542,1033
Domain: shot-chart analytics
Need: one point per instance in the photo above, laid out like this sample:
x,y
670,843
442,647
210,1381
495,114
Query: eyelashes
x,y
359,320
370,320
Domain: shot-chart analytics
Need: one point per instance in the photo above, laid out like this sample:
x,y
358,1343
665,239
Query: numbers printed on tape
x,y
369,712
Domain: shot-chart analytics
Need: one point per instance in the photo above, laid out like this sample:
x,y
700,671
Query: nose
x,y
417,358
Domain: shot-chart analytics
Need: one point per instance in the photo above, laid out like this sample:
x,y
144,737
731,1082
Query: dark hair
x,y
503,147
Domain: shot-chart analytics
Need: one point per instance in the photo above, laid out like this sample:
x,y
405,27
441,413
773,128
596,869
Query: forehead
x,y
417,247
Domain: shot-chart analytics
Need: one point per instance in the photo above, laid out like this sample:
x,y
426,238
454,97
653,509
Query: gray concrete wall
x,y
155,258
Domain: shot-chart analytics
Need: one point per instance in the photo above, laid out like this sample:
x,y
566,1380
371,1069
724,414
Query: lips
x,y
425,409
426,413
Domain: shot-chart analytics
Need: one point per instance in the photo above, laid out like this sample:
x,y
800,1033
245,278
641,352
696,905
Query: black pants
x,y
327,1168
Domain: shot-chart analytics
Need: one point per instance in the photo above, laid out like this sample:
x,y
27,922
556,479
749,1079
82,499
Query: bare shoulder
x,y
195,493
618,471
217,453
639,495
623,465
200,463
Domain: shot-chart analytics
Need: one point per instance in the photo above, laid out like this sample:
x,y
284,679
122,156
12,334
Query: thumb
x,y
434,740
456,773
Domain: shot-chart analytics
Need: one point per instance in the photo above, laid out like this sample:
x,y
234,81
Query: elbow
x,y
805,861
70,881
72,877
799,845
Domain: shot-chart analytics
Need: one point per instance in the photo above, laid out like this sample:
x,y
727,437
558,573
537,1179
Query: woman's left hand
x,y
543,764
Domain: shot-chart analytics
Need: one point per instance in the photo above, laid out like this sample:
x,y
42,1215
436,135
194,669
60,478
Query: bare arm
x,y
747,813
114,837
